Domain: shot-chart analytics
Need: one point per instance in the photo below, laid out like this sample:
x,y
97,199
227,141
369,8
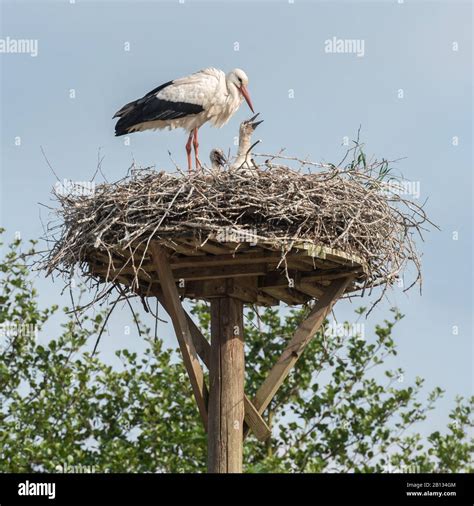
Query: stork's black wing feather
x,y
128,107
158,88
151,108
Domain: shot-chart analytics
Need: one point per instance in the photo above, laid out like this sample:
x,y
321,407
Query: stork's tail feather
x,y
125,109
122,126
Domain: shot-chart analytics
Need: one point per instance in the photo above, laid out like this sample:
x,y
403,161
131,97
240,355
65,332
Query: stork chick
x,y
247,128
217,159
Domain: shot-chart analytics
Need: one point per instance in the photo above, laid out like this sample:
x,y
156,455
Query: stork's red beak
x,y
246,95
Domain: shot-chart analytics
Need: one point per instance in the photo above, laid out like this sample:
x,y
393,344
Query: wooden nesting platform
x,y
254,272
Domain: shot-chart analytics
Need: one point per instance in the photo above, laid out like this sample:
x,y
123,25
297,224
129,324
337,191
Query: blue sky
x,y
310,100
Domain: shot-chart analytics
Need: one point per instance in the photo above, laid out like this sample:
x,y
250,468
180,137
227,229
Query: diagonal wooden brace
x,y
177,314
298,342
253,419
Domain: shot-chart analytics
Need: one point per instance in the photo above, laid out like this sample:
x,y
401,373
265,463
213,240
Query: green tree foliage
x,y
63,409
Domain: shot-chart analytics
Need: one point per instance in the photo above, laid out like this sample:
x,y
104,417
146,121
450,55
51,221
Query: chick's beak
x,y
245,94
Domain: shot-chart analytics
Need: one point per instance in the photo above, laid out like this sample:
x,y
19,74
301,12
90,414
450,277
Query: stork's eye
x,y
240,80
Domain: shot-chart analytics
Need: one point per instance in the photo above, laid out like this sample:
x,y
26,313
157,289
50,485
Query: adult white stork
x,y
189,102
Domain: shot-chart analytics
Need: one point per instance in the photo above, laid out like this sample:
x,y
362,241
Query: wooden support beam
x,y
303,335
309,283
182,248
195,273
219,272
227,259
254,421
181,327
255,257
264,299
213,288
289,296
260,264
226,387
310,288
331,274
197,259
218,288
212,247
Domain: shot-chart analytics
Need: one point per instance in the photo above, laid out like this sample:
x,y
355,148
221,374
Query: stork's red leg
x,y
196,149
188,151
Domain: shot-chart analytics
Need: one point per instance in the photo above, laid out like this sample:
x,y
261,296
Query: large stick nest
x,y
349,209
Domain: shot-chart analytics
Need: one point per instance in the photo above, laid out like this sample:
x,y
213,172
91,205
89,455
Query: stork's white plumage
x,y
189,102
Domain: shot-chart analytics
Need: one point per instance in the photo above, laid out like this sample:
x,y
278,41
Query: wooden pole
x,y
226,387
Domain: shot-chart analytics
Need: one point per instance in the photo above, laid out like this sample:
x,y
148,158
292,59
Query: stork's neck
x,y
225,102
243,154
234,95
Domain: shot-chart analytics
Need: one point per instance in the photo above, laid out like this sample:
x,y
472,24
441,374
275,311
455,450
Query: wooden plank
x,y
240,265
226,387
204,289
208,246
199,259
324,252
203,348
298,263
301,338
121,273
220,272
229,245
277,280
331,274
289,296
263,299
181,327
253,419
310,288
243,293
303,254
251,283
183,249
217,288
230,259
302,279
199,273
273,286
